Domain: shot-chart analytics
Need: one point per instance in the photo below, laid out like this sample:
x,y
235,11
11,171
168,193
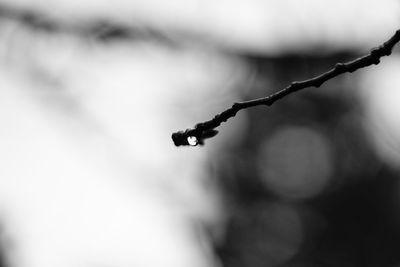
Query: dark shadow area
x,y
334,202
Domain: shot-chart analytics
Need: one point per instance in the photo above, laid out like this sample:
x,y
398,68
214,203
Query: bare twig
x,y
204,130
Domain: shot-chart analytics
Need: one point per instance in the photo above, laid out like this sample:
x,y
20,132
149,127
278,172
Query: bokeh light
x,y
296,162
380,91
266,234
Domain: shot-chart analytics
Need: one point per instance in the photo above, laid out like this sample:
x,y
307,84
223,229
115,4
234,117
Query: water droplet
x,y
192,140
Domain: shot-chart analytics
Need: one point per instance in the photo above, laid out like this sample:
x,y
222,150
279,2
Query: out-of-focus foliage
x,y
312,154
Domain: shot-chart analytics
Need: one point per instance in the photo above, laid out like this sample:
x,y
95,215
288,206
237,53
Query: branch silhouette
x,y
201,131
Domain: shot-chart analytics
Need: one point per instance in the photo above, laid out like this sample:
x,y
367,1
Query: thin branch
x,y
204,130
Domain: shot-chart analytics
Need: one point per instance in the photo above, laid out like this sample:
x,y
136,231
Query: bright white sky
x,y
89,174
261,25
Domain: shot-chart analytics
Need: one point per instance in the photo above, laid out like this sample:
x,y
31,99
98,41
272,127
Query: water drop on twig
x,y
192,140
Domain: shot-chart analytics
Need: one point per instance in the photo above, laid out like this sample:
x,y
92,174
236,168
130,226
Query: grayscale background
x,y
90,92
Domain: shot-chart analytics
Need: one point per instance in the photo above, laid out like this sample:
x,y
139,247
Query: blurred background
x,y
90,92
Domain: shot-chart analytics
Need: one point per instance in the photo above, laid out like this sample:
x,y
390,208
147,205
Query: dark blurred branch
x,y
103,29
204,130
